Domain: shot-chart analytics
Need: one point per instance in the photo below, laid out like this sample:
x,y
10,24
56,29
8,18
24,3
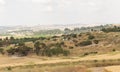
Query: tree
x,y
76,30
6,38
37,47
12,38
67,31
23,50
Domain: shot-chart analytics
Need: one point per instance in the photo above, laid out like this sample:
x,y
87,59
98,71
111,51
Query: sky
x,y
33,12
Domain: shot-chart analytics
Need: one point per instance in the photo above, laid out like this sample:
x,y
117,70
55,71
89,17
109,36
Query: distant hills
x,y
40,29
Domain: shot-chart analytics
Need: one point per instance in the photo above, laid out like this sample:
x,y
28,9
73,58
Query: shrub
x,y
113,50
96,41
62,43
21,51
95,60
93,52
103,60
48,52
73,35
9,68
11,51
54,39
71,47
80,35
1,50
91,37
88,33
75,41
76,45
57,51
85,43
65,45
66,52
86,54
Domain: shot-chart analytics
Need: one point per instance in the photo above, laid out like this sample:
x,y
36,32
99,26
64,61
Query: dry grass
x,y
25,63
48,69
112,69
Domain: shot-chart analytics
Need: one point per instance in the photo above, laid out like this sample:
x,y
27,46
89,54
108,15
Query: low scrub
x,y
85,43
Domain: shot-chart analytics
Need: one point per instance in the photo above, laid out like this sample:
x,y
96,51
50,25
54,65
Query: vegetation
x,y
91,37
19,51
1,50
49,32
111,29
113,50
96,41
73,45
57,45
85,43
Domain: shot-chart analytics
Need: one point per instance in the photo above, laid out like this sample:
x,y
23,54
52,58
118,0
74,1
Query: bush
x,y
47,52
85,43
73,35
93,52
1,50
80,35
71,47
96,41
62,43
66,52
9,68
21,51
95,60
57,51
111,29
113,50
54,39
75,41
11,51
86,54
91,37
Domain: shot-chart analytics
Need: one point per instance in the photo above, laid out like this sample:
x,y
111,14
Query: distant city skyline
x,y
34,12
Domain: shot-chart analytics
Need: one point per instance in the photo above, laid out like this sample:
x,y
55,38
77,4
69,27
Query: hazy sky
x,y
31,12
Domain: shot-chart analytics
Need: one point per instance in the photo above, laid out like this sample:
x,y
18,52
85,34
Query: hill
x,y
47,30
77,51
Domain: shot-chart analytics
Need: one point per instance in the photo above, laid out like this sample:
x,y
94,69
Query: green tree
x,y
12,38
